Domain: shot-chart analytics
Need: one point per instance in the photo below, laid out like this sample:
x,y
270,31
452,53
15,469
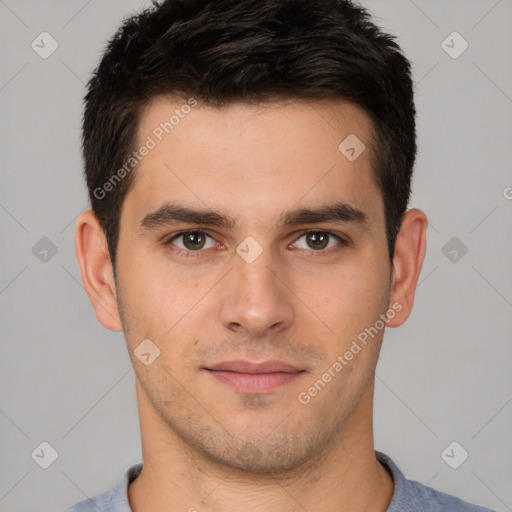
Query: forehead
x,y
255,161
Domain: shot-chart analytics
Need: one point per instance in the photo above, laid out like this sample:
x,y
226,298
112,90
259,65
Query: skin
x,y
207,446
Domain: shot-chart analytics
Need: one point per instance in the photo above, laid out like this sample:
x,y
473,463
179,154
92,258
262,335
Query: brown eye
x,y
319,240
192,241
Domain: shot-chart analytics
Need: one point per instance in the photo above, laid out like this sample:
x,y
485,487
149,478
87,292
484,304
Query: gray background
x,y
444,376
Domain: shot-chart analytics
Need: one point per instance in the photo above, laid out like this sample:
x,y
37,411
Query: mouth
x,y
250,377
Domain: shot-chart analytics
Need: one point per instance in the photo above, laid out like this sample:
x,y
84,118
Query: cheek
x,y
160,299
349,299
350,303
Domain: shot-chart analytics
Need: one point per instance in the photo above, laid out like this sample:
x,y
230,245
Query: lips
x,y
249,377
248,367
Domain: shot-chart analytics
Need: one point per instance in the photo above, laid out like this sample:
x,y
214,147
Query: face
x,y
251,311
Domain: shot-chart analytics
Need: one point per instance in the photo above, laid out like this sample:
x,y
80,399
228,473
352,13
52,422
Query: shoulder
x,y
413,496
431,500
101,503
114,500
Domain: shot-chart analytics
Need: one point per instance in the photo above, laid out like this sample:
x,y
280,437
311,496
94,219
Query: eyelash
x,y
196,254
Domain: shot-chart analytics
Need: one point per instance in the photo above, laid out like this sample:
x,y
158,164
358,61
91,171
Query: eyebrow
x,y
172,213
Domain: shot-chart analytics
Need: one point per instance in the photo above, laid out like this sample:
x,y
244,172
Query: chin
x,y
275,457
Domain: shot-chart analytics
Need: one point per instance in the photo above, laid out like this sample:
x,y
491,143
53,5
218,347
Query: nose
x,y
256,300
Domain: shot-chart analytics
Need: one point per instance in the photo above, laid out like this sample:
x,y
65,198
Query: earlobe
x,y
96,270
407,263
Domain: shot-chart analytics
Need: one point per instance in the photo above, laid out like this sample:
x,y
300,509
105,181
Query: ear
x,y
407,263
96,270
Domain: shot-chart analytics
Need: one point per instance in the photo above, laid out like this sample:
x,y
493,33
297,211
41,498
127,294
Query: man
x,y
249,167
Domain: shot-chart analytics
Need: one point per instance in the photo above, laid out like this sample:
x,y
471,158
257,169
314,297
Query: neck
x,y
344,476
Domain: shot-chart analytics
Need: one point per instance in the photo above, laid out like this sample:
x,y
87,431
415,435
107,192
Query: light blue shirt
x,y
408,496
